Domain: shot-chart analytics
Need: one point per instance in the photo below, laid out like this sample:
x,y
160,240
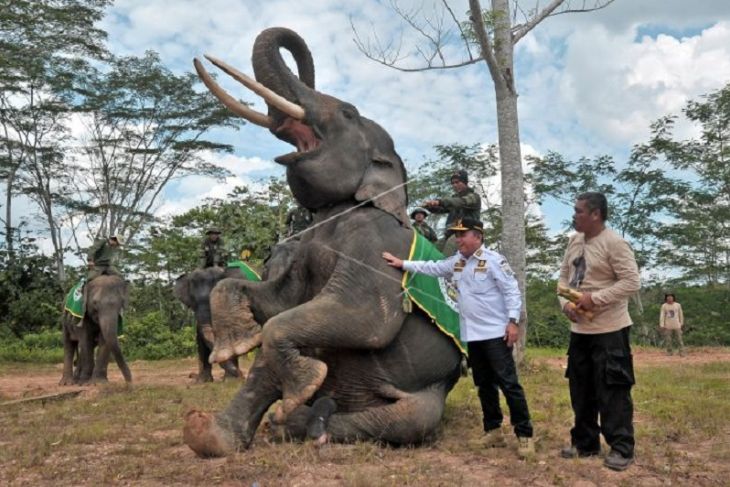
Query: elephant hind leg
x,y
411,419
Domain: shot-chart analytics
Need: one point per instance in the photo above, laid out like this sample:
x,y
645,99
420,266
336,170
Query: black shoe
x,y
618,462
573,452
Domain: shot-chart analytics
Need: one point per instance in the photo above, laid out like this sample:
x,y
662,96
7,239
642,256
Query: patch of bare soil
x,y
35,381
149,450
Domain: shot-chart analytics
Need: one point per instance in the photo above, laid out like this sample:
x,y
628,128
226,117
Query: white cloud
x,y
589,84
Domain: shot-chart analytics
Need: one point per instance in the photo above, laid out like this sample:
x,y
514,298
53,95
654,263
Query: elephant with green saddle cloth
x,y
101,324
338,346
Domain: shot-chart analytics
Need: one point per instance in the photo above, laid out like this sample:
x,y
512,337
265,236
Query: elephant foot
x,y
98,380
203,378
306,379
239,341
205,437
67,381
234,328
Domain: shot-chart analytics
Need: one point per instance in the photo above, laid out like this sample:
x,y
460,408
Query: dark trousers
x,y
600,374
494,368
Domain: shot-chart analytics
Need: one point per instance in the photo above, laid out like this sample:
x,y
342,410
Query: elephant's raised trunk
x,y
276,84
271,70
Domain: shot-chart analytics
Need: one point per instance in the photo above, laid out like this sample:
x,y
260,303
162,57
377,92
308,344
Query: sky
x,y
588,84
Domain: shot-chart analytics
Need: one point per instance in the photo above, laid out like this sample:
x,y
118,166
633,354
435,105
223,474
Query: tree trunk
x,y
513,192
9,214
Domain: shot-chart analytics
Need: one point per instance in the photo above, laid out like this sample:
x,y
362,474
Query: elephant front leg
x,y
325,322
205,373
69,350
234,328
216,435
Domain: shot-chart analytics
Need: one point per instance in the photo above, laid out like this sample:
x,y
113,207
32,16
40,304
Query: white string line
x,y
336,215
378,271
356,261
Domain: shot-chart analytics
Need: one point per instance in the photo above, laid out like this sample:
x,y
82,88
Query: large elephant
x,y
106,297
193,289
335,334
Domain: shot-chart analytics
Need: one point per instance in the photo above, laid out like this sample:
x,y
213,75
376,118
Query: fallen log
x,y
43,399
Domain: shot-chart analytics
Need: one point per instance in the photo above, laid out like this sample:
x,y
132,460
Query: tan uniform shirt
x,y
610,274
671,316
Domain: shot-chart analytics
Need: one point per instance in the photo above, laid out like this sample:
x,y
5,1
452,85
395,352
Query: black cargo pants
x,y
600,375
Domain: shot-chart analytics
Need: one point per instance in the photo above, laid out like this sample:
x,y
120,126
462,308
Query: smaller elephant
x,y
106,296
193,289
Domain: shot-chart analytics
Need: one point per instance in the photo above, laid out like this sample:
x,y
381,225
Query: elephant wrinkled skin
x,y
337,346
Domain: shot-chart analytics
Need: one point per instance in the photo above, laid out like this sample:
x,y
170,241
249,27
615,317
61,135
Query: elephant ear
x,y
182,290
384,184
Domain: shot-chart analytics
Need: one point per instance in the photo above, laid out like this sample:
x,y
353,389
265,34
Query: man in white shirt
x,y
489,308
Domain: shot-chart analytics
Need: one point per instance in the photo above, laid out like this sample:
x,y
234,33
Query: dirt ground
x,y
680,459
45,381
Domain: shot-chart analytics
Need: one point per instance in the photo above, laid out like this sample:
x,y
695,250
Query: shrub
x,y
43,347
150,338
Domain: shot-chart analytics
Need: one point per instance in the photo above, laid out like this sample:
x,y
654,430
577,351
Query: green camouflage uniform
x,y
213,253
424,229
297,220
466,204
104,257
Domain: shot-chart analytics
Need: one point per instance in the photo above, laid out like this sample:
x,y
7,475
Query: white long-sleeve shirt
x,y
488,292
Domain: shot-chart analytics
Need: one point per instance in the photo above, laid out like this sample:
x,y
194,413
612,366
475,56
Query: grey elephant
x,y
337,347
193,289
106,297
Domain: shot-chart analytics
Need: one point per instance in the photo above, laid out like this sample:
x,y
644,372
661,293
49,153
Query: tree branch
x,y
519,31
485,44
539,17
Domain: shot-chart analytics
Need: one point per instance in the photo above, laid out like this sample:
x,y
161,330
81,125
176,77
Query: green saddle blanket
x,y
436,296
246,270
75,304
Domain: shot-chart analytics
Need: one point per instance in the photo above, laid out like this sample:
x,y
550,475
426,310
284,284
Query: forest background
x,y
145,126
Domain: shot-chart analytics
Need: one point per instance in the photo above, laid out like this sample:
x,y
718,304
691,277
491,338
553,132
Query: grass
x,y
118,434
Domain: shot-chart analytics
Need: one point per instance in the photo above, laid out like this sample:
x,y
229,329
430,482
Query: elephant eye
x,y
349,113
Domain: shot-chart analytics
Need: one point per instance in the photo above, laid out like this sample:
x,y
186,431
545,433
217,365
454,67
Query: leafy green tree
x,y
146,126
44,44
641,195
250,219
30,298
698,240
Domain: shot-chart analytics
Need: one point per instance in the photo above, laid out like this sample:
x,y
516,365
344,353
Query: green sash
x,y
75,299
434,295
246,270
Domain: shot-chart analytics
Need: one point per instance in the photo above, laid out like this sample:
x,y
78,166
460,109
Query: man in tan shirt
x,y
671,320
601,265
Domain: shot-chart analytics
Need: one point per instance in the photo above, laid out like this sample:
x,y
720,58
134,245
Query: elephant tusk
x,y
278,101
233,105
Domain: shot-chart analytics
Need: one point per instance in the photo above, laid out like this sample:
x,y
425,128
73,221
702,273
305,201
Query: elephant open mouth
x,y
292,129
304,137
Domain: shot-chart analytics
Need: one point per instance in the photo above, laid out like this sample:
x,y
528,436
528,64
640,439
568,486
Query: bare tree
x,y
144,127
489,36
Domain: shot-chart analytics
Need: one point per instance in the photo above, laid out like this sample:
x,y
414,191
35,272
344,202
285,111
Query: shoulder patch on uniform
x,y
504,265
